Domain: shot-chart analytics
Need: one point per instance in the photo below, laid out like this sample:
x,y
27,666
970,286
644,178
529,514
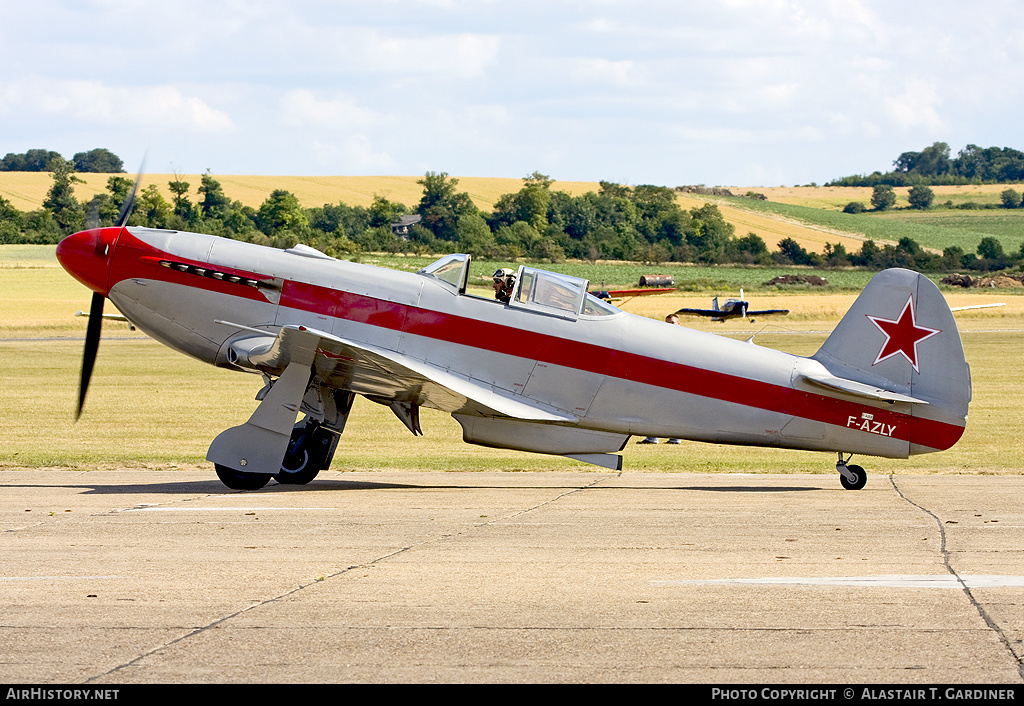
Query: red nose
x,y
86,256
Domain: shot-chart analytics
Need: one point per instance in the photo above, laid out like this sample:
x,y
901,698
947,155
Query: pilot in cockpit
x,y
504,282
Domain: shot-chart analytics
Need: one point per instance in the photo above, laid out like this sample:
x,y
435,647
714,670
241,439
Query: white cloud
x,y
94,102
332,110
605,72
917,106
594,89
355,154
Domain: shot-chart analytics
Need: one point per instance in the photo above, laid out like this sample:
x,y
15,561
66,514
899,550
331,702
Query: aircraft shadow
x,y
215,487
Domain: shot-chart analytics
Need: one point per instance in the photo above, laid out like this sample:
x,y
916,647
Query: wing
x,y
642,292
382,374
766,312
702,312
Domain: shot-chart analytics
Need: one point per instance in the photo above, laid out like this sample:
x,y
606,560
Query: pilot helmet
x,y
504,282
506,276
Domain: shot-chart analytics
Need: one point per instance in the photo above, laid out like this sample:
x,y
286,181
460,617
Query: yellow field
x,y
773,228
26,190
836,197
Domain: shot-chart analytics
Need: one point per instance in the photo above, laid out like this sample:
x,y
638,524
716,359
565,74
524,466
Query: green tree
x,y
151,208
883,197
240,222
836,255
609,188
791,251
710,234
384,212
183,207
475,236
60,199
991,254
37,160
921,197
751,249
952,258
215,202
12,222
530,204
933,161
909,254
1010,198
99,161
282,215
441,205
546,248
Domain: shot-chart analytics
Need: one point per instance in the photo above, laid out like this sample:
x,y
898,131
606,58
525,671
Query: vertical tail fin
x,y
900,335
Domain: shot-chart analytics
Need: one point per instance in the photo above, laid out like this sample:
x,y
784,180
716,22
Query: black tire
x,y
306,454
236,480
860,480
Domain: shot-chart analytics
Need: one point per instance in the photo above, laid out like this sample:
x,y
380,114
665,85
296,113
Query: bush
x,y
883,197
921,197
855,207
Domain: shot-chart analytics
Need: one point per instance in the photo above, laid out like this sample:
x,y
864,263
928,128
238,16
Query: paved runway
x,y
163,575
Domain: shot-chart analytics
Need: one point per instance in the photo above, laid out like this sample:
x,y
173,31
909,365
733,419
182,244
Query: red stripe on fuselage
x,y
498,338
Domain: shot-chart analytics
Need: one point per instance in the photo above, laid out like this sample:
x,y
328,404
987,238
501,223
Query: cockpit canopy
x,y
535,290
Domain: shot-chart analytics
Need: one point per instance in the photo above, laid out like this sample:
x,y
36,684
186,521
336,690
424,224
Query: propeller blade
x,y
129,203
92,344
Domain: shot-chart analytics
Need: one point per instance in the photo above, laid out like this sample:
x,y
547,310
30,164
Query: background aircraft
x,y
554,370
624,295
732,309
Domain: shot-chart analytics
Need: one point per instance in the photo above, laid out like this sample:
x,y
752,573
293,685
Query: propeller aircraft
x,y
732,309
554,370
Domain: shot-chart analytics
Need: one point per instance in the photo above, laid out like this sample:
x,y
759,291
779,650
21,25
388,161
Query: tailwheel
x,y
306,455
236,480
851,476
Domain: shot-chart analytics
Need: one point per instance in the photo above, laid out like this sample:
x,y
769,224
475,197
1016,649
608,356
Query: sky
x,y
665,92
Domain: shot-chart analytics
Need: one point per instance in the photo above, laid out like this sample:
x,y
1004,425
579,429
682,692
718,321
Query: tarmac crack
x,y
213,624
301,587
555,499
992,624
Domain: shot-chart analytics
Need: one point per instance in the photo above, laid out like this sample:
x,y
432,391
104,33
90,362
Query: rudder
x,y
900,335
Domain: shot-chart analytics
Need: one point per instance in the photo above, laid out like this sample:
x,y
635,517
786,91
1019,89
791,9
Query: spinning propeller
x,y
92,332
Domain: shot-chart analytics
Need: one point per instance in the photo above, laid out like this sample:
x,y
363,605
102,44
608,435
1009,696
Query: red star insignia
x,y
902,335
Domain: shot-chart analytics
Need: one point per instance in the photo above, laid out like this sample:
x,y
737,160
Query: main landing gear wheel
x,y
236,480
851,476
306,455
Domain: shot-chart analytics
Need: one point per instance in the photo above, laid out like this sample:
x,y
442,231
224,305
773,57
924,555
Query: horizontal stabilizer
x,y
816,374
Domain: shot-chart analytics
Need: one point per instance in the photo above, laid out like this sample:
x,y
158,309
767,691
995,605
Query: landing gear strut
x,y
308,453
852,477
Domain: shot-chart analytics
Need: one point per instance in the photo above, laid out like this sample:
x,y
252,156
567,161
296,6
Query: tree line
x,y
97,161
638,223
934,166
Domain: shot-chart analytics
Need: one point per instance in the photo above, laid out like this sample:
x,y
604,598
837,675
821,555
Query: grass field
x,y
151,407
935,229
